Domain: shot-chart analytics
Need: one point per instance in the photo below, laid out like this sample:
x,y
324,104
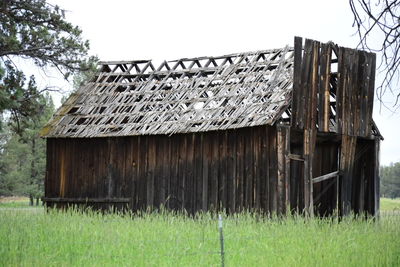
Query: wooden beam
x,y
295,157
86,200
325,177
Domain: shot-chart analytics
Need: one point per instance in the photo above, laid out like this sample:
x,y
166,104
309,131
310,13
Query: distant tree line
x,y
390,180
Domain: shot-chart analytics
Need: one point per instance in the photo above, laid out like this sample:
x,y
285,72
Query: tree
x,y
22,157
381,17
390,180
37,31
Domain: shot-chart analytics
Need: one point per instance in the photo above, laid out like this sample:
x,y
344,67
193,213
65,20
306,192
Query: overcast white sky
x,y
158,30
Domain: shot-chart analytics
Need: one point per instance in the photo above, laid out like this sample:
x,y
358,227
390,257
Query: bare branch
x,y
382,18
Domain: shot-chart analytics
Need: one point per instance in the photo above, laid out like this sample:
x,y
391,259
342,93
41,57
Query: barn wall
x,y
365,182
324,193
363,189
234,169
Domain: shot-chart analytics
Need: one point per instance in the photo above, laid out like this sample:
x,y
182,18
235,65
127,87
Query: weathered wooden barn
x,y
269,130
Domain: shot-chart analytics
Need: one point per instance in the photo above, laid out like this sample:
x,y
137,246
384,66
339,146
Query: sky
x,y
167,30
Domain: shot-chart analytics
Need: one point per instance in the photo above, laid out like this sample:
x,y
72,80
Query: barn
x,y
274,131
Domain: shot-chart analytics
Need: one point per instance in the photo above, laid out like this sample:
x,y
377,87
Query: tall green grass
x,y
71,238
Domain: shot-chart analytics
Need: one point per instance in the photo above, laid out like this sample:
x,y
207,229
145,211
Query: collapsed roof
x,y
187,95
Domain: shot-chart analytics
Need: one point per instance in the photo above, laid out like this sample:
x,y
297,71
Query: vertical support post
x,y
310,127
287,169
347,152
283,143
221,239
377,178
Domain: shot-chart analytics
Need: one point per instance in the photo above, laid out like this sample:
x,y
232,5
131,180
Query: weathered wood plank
x,y
190,193
231,174
214,164
257,133
310,125
205,159
273,171
240,172
223,187
370,94
287,169
295,157
324,88
339,91
281,169
266,178
174,182
325,177
296,93
376,178
354,91
150,171
363,72
248,169
198,190
347,153
181,177
85,200
134,171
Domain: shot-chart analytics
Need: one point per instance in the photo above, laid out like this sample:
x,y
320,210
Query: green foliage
x,y
390,180
37,30
164,239
22,156
20,99
81,78
12,162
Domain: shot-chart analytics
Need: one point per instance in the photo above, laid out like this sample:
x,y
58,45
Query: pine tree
x,y
37,31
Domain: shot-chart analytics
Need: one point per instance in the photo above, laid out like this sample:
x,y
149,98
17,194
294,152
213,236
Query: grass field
x,y
14,202
389,204
32,237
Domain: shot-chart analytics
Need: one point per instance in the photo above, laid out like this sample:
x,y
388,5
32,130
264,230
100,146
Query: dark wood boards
x,y
297,90
283,149
347,153
244,169
376,178
228,170
324,88
338,102
345,102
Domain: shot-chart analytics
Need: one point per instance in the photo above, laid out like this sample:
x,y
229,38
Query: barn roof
x,y
186,95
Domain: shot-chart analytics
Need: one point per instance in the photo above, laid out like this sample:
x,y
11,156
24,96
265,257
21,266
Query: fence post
x,y
221,239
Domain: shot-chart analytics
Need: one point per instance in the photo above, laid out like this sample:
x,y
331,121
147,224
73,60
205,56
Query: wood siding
x,y
231,170
341,80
